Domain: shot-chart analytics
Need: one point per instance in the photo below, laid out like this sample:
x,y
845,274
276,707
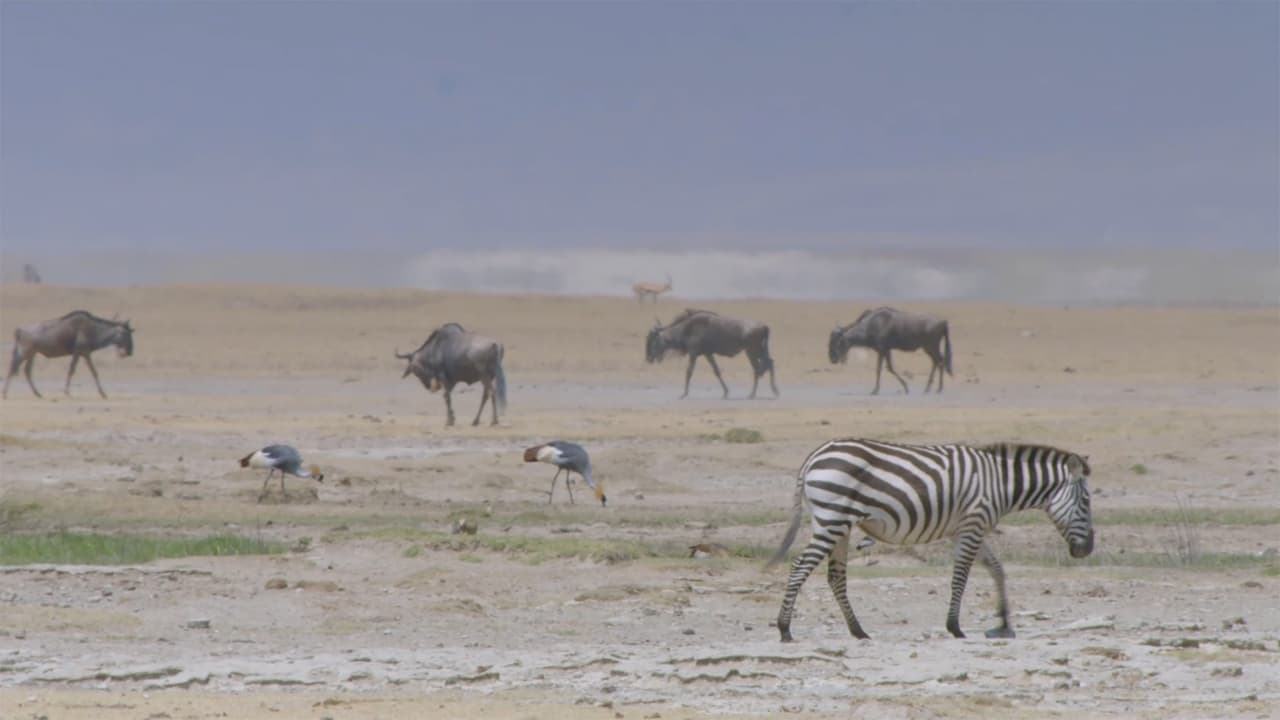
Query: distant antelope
x,y
77,334
652,290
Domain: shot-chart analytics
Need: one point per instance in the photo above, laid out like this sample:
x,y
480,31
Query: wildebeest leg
x,y
448,406
89,361
26,371
70,371
773,385
716,368
484,397
937,368
493,405
879,364
755,376
888,361
688,374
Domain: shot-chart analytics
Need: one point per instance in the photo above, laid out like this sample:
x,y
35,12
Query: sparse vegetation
x,y
1185,538
65,548
1139,469
743,435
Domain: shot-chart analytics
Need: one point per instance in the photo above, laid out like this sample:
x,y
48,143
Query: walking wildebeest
x,y
77,334
884,329
451,355
702,332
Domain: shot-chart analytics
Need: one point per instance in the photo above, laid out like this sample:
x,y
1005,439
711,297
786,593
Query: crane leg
x,y
551,493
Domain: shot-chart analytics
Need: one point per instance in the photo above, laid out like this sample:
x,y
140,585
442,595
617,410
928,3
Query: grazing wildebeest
x,y
452,355
30,274
702,332
77,334
650,289
884,329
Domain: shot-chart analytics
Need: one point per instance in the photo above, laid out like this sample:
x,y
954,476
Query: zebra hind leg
x,y
817,551
968,544
988,558
836,578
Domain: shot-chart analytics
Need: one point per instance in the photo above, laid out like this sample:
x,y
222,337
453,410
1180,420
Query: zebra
x,y
914,494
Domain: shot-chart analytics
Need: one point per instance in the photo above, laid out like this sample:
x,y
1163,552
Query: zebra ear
x,y
1075,466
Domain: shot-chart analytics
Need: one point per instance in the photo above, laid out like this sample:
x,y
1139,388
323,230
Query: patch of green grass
x,y
65,548
1271,571
743,435
1139,469
412,551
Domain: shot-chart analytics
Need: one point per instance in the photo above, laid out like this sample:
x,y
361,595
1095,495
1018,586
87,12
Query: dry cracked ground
x,y
368,607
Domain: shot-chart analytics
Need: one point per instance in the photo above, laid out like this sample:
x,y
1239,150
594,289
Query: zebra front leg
x,y
837,571
26,370
968,543
688,374
814,553
888,361
715,367
988,558
66,390
484,397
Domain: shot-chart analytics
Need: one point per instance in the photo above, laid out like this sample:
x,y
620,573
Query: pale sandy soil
x,y
385,618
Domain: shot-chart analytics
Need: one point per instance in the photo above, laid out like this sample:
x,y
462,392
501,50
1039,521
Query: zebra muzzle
x,y
1082,549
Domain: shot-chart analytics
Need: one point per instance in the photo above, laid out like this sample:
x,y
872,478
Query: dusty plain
x,y
577,611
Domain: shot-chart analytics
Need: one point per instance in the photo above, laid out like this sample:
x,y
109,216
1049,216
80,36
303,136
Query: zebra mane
x,y
1010,448
91,316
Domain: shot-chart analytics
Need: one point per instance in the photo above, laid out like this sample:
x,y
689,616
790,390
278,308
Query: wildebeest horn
x,y
407,356
657,322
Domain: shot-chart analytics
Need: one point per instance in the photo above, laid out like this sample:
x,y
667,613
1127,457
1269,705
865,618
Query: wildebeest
x,y
650,289
452,355
702,332
30,274
77,334
884,329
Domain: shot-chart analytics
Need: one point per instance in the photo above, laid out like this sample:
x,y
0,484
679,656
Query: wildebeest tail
x,y
796,516
766,362
17,355
946,339
500,380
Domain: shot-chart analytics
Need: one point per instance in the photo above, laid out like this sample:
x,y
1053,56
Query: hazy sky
x,y
408,126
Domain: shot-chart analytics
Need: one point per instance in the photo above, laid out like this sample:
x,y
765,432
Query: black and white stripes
x,y
912,494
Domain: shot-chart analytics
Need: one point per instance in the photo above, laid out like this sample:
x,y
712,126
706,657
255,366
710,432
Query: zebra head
x,y
1069,508
837,347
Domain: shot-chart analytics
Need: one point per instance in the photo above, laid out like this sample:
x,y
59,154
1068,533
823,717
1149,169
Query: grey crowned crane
x,y
279,458
568,458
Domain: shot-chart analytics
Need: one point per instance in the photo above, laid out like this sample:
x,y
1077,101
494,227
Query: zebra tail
x,y
796,516
946,338
501,382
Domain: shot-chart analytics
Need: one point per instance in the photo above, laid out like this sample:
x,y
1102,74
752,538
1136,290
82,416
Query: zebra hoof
x,y
1001,632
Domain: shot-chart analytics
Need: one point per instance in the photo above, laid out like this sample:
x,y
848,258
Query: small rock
x,y
277,584
1232,622
687,631
1252,584
1231,671
464,526
199,624
1068,369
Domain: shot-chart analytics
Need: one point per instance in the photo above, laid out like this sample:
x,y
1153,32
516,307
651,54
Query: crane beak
x,y
600,494
315,473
